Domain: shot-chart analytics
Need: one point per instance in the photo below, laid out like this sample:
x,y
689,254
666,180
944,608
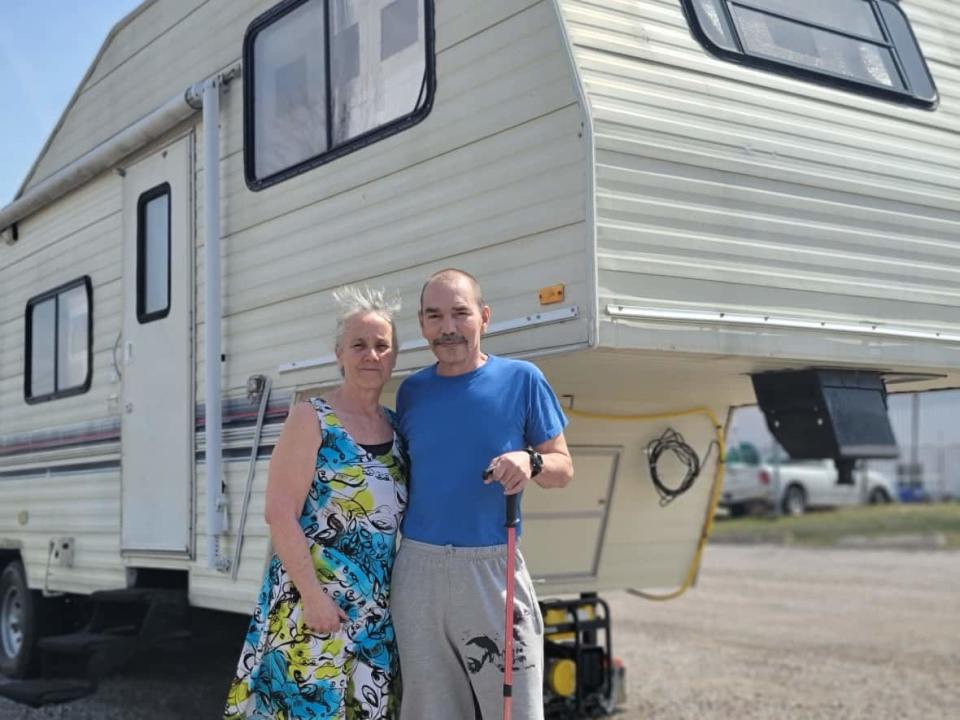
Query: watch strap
x,y
536,462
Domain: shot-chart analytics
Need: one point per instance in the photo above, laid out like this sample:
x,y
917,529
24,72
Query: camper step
x,y
85,642
141,596
37,693
121,624
123,621
147,613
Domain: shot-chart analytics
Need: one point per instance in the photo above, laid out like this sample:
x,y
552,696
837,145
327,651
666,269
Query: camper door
x,y
158,406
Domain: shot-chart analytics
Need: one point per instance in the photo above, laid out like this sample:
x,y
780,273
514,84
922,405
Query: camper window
x,y
325,77
153,254
862,45
59,329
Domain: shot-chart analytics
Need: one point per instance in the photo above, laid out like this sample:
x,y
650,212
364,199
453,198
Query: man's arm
x,y
512,469
557,464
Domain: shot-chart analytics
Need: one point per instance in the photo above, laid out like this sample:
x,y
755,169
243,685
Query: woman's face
x,y
366,354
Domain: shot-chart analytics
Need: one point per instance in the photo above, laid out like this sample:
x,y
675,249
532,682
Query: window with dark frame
x,y
323,78
153,254
59,342
865,46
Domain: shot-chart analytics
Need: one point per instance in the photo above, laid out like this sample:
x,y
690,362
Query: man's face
x,y
452,321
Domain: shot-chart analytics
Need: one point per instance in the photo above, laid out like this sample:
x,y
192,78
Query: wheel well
x,y
7,557
790,487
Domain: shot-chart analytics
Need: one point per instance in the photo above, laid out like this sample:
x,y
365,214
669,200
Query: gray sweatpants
x,y
448,611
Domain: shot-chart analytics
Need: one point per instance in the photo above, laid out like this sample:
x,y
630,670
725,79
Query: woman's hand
x,y
321,614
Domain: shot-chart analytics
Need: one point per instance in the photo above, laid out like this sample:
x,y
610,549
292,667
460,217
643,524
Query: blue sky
x,y
46,47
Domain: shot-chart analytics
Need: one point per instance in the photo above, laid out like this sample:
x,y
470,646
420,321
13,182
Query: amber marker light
x,y
551,294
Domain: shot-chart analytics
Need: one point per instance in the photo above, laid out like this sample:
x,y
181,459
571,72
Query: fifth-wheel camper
x,y
673,206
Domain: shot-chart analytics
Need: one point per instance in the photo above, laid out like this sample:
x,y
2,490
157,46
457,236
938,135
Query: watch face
x,y
536,462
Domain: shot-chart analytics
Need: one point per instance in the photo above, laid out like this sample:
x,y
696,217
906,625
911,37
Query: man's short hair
x,y
454,271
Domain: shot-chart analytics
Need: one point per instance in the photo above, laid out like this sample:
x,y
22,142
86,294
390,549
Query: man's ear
x,y
420,318
485,317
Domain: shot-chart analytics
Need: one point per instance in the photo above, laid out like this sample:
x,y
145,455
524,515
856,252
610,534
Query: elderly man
x,y
468,413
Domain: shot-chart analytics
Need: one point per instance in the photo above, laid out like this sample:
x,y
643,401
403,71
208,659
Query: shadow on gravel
x,y
187,682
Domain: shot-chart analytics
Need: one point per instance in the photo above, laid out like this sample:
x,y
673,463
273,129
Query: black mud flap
x,y
37,693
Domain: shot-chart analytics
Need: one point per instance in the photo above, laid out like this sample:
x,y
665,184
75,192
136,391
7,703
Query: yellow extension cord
x,y
714,493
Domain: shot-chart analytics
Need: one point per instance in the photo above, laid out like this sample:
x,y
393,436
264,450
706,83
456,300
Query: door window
x,y
153,254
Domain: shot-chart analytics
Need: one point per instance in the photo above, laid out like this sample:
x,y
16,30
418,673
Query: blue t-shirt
x,y
454,426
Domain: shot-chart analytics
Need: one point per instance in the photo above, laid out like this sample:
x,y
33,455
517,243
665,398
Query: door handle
x,y
128,353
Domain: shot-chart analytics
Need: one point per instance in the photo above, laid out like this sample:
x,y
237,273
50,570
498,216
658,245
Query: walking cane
x,y
511,526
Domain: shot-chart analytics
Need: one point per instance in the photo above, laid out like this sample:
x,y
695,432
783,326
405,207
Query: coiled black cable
x,y
673,441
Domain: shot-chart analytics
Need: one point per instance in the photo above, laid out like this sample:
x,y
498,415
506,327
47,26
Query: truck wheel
x,y
878,496
794,501
18,629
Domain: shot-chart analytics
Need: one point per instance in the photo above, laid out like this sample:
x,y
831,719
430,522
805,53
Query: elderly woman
x,y
321,641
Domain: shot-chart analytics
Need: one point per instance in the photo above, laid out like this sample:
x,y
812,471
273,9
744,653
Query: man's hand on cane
x,y
512,470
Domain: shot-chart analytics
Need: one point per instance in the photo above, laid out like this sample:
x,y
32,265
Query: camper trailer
x,y
673,206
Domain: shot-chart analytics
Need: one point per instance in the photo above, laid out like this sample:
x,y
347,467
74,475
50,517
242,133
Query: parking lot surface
x,y
769,632
775,632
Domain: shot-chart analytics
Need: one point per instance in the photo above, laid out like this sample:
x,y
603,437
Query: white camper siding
x,y
493,179
725,188
505,106
53,493
211,588
82,506
78,236
167,47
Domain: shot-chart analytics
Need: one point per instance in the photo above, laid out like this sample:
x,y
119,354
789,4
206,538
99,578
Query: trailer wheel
x,y
795,501
18,628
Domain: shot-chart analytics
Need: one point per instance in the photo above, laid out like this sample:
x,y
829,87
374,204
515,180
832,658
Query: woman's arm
x,y
292,468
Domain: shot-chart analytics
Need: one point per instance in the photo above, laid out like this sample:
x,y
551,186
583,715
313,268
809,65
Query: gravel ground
x,y
770,632
773,632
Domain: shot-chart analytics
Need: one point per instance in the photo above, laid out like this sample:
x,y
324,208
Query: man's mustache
x,y
452,339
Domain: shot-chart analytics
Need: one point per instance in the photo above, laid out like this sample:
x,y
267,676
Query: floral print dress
x,y
350,518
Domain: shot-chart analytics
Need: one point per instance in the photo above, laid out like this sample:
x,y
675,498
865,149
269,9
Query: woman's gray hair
x,y
352,300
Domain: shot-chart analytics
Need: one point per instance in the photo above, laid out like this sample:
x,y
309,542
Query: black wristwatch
x,y
536,462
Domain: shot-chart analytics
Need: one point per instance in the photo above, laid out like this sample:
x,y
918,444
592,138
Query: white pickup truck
x,y
794,486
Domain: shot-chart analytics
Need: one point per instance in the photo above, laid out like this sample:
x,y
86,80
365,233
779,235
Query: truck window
x,y
59,342
864,46
323,78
